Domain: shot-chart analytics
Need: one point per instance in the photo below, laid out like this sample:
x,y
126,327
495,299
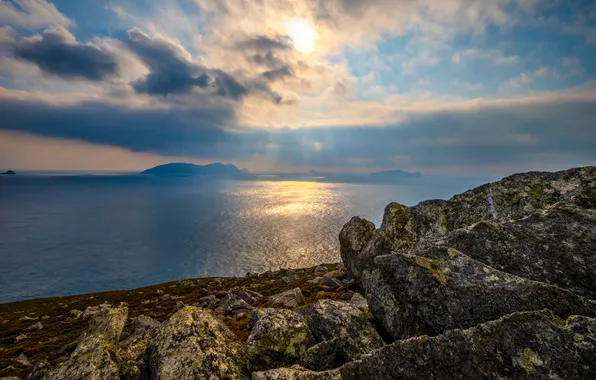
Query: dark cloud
x,y
57,52
279,73
171,71
266,43
199,132
268,59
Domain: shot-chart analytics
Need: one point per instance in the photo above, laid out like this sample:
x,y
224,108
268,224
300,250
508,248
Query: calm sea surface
x,y
68,235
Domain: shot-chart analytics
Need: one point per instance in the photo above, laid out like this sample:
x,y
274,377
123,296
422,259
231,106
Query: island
x,y
181,169
9,172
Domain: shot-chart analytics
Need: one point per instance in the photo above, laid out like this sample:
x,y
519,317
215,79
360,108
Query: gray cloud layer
x,y
509,134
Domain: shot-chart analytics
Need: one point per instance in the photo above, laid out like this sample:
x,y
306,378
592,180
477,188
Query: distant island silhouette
x,y
180,169
9,172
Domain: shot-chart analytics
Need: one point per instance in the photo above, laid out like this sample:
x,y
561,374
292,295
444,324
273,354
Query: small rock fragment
x,y
35,327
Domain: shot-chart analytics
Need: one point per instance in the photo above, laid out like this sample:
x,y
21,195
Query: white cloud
x,y
31,14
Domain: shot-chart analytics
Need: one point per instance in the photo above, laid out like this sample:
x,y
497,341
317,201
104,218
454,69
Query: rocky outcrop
x,y
514,197
278,338
193,344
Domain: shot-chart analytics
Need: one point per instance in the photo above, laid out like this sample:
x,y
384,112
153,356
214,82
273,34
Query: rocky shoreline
x,y
497,283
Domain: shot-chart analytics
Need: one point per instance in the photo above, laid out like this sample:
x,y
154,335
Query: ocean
x,y
63,235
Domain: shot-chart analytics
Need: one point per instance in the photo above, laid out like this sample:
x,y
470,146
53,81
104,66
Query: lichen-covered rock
x,y
296,373
133,346
278,337
193,344
557,246
341,321
93,359
109,323
353,237
445,289
323,356
513,197
527,345
95,356
290,299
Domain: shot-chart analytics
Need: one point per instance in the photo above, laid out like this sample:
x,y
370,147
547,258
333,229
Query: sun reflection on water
x,y
292,198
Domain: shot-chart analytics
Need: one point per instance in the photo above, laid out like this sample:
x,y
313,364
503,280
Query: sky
x,y
466,87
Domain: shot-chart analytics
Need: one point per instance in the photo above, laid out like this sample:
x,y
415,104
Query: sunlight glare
x,y
303,35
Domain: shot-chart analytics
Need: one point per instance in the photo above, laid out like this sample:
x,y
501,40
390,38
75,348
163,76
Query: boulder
x,y
323,356
527,345
445,289
193,344
290,299
278,337
352,239
341,321
295,373
109,323
557,246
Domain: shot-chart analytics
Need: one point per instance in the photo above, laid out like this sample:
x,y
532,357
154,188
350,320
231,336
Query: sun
x,y
303,35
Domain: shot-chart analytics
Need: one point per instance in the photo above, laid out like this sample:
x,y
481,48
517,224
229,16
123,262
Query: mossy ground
x,y
60,330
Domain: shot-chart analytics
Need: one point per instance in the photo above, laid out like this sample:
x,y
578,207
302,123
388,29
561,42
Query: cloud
x,y
496,57
57,52
279,73
263,43
31,14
